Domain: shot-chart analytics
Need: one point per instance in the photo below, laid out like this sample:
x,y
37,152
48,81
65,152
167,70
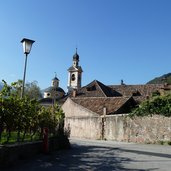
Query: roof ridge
x,y
100,86
115,97
132,85
125,102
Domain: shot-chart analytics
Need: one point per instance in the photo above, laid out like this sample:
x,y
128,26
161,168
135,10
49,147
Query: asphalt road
x,y
88,155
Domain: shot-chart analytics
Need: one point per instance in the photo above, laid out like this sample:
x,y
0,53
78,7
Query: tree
x,y
32,90
59,116
5,92
25,115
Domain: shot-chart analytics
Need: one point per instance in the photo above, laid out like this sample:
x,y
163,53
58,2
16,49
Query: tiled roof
x,y
115,98
127,90
109,92
138,92
97,89
143,90
113,105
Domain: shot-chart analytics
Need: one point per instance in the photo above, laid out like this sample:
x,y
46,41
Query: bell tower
x,y
74,74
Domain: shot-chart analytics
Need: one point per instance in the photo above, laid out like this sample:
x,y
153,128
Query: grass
x,y
13,138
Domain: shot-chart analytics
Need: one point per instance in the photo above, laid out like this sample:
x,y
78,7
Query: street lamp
x,y
27,44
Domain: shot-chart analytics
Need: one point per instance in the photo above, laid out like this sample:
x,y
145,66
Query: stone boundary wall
x,y
138,129
84,127
10,154
121,128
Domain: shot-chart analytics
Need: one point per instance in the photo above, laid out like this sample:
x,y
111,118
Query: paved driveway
x,y
88,155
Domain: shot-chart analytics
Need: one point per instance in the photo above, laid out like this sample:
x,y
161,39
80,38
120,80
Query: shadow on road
x,y
147,153
79,157
95,158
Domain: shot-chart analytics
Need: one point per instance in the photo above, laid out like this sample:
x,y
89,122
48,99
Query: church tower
x,y
55,82
74,74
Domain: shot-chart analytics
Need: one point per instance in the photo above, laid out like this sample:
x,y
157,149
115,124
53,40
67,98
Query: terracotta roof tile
x,y
97,89
138,92
112,104
143,90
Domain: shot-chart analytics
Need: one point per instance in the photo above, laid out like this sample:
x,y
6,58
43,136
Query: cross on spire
x,y
55,74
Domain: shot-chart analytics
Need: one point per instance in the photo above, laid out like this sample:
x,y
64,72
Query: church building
x,y
53,93
95,96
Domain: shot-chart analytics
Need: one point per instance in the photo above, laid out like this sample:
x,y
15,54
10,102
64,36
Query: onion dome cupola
x,y
75,59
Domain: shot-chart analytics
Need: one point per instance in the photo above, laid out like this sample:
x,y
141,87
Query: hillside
x,y
166,78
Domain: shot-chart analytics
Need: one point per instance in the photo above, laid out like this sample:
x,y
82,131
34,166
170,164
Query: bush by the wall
x,y
160,105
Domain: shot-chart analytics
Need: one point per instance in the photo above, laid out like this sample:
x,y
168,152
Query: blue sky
x,y
116,39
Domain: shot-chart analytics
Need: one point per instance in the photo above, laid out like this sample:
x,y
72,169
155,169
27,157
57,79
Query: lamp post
x,y
27,44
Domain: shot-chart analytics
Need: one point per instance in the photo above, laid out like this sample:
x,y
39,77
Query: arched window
x,y
73,77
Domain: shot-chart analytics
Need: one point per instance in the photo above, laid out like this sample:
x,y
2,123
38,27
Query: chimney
x,y
104,111
122,82
74,93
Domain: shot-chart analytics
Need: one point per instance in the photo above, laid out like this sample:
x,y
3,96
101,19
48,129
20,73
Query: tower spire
x,y
55,74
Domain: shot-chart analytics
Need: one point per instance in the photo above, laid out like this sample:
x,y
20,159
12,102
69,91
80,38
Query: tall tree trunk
x,y
1,130
18,135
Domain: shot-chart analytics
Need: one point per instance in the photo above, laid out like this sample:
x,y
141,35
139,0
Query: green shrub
x,y
160,105
169,142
